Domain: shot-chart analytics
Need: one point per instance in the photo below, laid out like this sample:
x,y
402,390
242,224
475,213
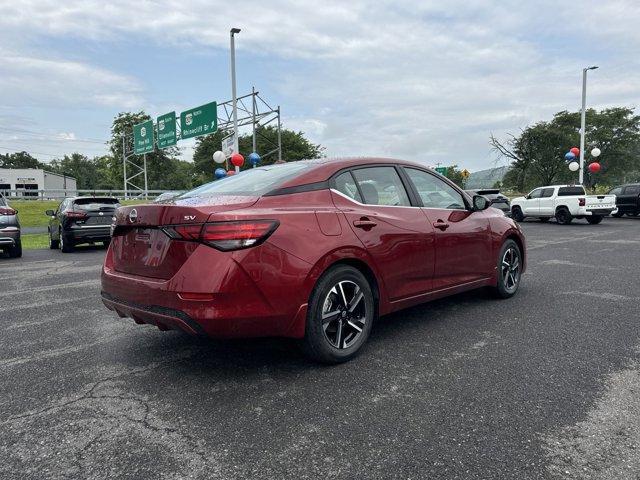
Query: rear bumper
x,y
88,234
218,294
8,238
595,211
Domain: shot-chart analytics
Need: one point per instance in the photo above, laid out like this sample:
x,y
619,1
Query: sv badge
x,y
189,217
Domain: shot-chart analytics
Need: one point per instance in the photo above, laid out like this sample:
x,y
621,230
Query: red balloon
x,y
594,167
237,160
231,172
575,151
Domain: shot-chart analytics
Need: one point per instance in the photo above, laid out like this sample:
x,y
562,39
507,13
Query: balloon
x,y
569,156
574,166
594,167
254,158
231,172
220,172
575,151
237,159
595,152
219,157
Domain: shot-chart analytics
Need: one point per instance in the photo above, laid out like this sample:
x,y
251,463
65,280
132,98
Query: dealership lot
x,y
541,385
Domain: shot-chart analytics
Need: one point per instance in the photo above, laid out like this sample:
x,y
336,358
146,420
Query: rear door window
x,y
547,192
381,186
346,185
632,190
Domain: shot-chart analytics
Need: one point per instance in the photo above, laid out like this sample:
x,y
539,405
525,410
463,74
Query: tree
x,y
537,154
19,160
80,167
295,146
455,175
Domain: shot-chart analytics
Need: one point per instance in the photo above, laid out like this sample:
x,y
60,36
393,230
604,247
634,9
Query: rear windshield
x,y
95,203
252,182
570,191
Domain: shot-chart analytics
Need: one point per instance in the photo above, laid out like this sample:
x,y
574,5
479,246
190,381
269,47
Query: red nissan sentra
x,y
313,250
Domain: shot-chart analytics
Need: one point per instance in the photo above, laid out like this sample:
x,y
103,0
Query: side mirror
x,y
480,203
528,197
50,213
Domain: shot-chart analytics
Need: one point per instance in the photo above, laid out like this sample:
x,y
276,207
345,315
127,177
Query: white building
x,y
21,180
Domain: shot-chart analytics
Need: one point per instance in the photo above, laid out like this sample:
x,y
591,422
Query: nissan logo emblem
x,y
133,215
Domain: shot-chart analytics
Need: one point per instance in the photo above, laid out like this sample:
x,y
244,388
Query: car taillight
x,y
226,236
73,214
582,202
7,211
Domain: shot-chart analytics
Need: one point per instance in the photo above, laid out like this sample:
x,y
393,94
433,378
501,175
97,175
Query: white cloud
x,y
416,79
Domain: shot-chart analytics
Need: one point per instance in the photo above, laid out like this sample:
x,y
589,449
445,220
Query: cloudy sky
x,y
409,79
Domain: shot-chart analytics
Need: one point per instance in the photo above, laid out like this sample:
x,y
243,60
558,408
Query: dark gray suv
x,y
9,230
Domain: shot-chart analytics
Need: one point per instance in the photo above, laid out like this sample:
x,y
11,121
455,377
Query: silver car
x,y
9,230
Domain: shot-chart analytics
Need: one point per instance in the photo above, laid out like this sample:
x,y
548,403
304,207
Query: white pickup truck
x,y
564,203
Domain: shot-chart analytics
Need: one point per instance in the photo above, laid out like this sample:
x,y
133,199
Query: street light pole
x,y
233,89
583,114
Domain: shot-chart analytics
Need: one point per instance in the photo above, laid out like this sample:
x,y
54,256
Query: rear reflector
x,y
197,297
226,236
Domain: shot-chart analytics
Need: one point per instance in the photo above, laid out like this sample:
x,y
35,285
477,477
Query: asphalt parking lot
x,y
545,385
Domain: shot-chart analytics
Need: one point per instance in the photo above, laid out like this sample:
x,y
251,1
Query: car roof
x,y
323,168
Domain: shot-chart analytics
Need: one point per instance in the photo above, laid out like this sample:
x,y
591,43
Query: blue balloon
x,y
254,158
220,173
569,156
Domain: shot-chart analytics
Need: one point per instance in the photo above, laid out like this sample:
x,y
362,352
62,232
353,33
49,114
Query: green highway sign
x,y
442,170
167,130
143,137
201,120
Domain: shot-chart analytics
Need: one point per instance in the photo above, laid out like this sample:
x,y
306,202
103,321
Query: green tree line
x,y
537,153
165,170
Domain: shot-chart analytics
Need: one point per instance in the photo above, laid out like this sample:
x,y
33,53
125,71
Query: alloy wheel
x,y
344,314
510,269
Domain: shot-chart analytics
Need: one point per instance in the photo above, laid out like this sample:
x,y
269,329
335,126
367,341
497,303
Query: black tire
x,y
66,244
544,219
106,243
594,219
508,278
53,244
633,214
617,215
16,250
563,216
327,340
516,214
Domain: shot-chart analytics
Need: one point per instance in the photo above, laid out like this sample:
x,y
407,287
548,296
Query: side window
x,y
346,185
547,192
632,190
61,206
434,192
536,193
381,186
616,191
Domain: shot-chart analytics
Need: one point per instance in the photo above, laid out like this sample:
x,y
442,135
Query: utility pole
x,y
233,89
279,137
583,116
253,123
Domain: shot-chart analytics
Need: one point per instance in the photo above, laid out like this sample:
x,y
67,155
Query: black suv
x,y
9,230
627,199
81,220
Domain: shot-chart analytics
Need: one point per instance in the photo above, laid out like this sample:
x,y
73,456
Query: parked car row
x,y
627,200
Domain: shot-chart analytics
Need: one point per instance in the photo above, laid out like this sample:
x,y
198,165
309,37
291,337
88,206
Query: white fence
x,y
28,194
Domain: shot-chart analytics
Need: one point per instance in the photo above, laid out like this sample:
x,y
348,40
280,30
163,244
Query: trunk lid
x,y
600,201
141,247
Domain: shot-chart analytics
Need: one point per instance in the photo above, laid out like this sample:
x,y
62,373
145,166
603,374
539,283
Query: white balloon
x,y
574,166
595,152
219,157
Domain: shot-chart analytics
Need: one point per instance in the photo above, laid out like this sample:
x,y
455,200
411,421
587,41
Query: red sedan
x,y
313,250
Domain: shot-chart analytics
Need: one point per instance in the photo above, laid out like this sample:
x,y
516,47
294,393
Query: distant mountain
x,y
486,178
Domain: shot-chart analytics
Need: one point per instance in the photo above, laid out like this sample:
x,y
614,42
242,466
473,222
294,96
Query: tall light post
x,y
583,115
233,89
